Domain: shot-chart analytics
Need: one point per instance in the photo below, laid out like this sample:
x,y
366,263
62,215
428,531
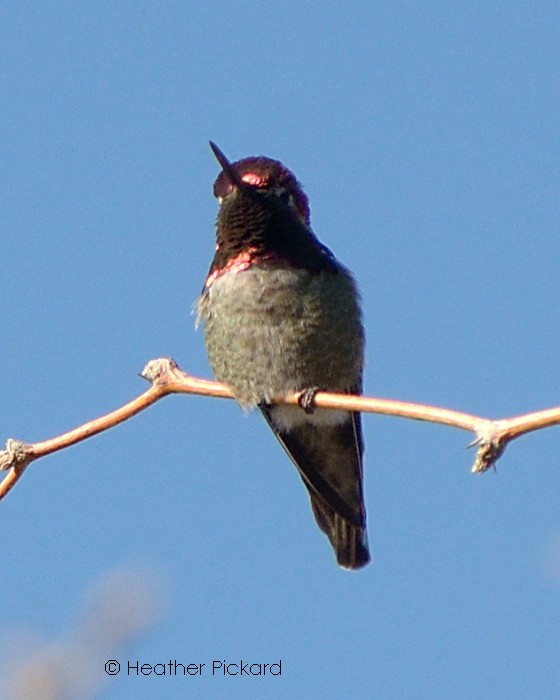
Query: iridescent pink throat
x,y
240,263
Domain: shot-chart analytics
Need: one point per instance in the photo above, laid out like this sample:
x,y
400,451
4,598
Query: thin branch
x,y
166,378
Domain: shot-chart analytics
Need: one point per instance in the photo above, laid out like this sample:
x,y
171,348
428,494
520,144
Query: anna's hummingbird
x,y
282,315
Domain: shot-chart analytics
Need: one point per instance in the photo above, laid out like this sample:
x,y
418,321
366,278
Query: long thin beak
x,y
227,167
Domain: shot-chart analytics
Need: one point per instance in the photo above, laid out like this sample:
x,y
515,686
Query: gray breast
x,y
272,330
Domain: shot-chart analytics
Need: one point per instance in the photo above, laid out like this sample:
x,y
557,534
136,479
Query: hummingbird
x,y
282,315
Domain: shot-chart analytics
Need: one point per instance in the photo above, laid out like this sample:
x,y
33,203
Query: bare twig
x,y
166,378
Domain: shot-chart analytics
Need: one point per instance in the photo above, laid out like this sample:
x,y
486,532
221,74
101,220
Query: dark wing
x,y
329,460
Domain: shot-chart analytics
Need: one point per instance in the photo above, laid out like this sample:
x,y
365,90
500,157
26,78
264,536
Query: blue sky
x,y
427,138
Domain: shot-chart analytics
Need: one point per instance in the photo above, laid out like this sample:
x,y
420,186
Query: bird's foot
x,y
307,399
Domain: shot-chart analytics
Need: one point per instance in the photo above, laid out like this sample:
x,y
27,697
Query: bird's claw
x,y
307,399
